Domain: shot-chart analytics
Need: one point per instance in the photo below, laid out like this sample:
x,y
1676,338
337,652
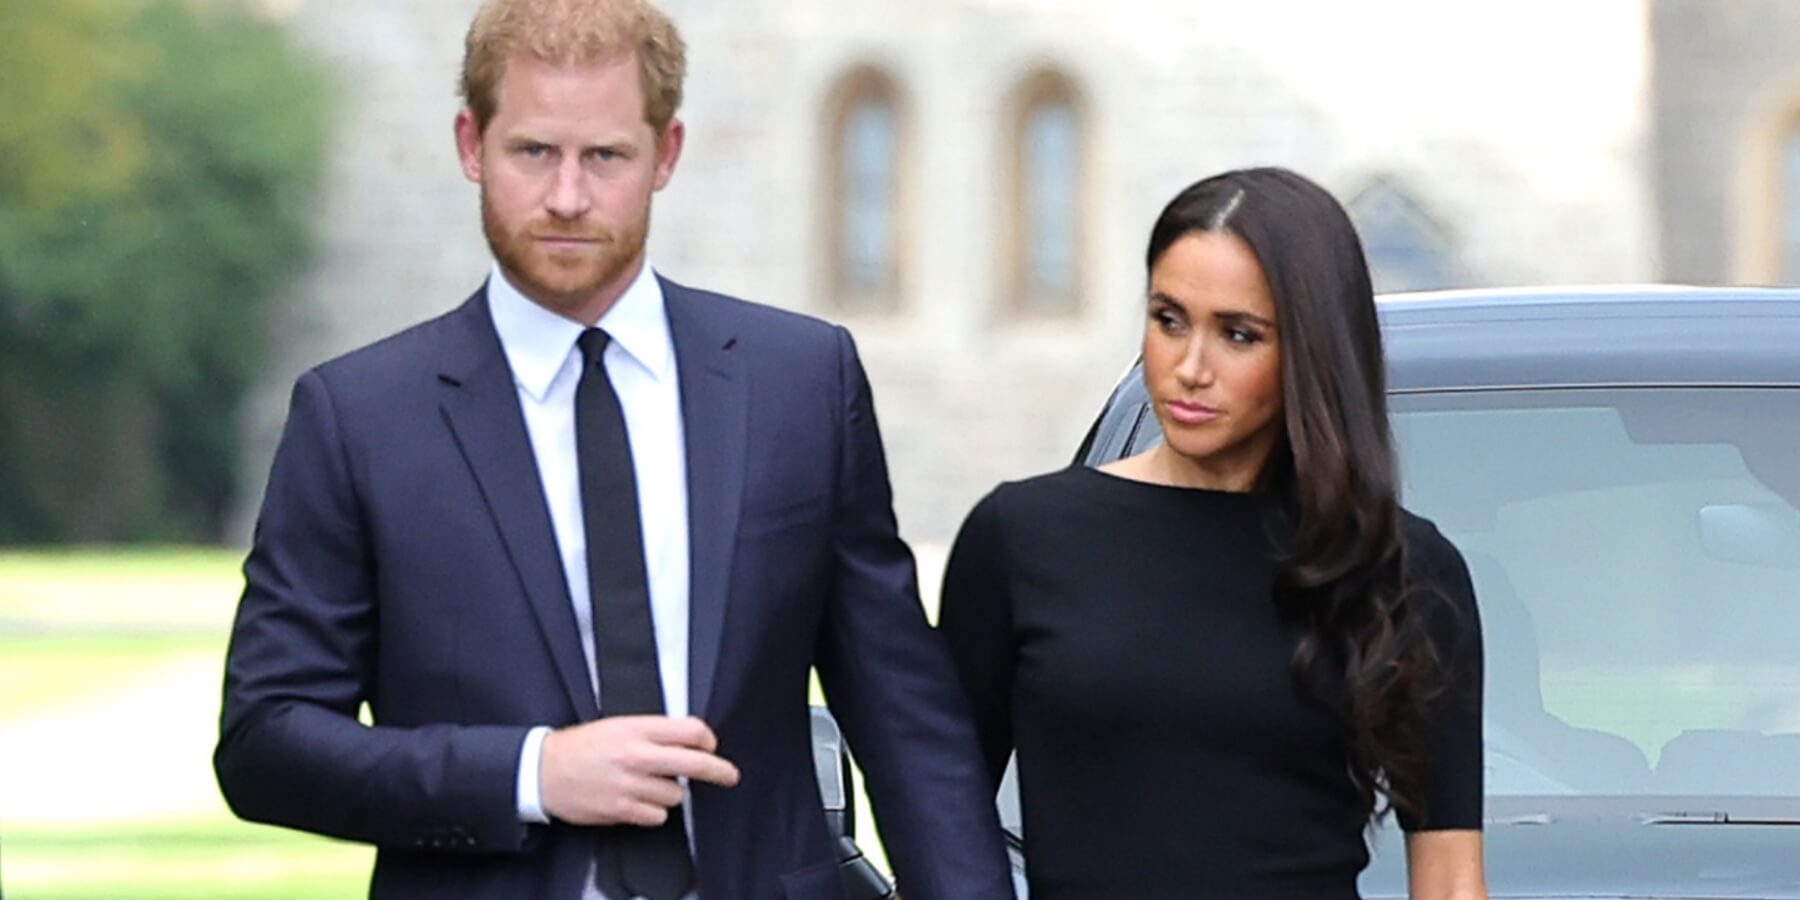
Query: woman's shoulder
x,y
1432,559
1095,498
1422,535
1076,495
1030,495
1015,513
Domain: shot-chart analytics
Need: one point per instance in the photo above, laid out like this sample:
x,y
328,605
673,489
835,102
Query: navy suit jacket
x,y
404,558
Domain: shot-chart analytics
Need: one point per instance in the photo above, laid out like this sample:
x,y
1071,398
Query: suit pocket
x,y
816,882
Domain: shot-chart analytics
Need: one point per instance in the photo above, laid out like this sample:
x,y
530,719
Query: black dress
x,y
1123,638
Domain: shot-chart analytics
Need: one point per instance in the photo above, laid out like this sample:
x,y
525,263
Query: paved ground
x,y
141,753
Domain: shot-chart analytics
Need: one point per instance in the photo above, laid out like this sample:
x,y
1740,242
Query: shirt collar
x,y
538,342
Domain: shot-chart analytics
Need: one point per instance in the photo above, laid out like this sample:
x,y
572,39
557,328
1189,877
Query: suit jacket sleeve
x,y
890,683
303,659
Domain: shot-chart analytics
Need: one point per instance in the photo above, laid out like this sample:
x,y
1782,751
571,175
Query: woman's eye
x,y
1166,320
1242,335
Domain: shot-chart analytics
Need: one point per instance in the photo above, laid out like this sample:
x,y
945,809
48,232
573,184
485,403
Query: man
x,y
577,544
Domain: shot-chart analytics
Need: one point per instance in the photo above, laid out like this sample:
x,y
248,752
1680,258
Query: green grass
x,y
131,590
42,672
144,561
208,861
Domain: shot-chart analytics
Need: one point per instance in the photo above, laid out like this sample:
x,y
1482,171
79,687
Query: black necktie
x,y
634,862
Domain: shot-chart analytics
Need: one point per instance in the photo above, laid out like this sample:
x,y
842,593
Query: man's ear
x,y
668,151
468,144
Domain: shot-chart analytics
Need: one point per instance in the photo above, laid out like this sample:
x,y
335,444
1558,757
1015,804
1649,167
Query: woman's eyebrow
x,y
1237,316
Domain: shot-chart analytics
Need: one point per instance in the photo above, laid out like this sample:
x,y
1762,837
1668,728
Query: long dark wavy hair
x,y
1341,587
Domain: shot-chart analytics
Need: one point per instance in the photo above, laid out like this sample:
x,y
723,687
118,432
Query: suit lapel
x,y
714,395
481,406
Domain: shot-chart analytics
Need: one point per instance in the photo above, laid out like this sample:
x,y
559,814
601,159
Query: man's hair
x,y
568,32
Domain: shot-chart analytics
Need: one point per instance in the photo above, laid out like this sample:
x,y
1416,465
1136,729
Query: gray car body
x,y
1541,338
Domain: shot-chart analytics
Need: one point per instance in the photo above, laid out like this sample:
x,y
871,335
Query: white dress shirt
x,y
640,361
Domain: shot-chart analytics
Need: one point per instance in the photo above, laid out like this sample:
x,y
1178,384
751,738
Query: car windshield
x,y
1636,555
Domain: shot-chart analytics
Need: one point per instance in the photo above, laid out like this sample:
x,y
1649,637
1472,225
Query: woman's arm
x,y
1445,865
1443,847
975,619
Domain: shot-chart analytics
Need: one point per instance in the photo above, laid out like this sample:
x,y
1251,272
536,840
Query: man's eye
x,y
535,151
604,154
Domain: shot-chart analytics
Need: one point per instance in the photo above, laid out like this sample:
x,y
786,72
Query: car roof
x,y
1592,337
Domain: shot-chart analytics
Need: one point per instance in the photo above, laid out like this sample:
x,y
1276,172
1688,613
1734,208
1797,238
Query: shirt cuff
x,y
530,796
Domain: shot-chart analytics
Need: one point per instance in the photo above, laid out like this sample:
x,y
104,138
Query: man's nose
x,y
568,197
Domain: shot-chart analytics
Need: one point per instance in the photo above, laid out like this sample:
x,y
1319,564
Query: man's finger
x,y
687,731
648,815
680,762
663,792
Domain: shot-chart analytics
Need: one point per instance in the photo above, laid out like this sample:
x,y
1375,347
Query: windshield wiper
x,y
1713,817
1643,810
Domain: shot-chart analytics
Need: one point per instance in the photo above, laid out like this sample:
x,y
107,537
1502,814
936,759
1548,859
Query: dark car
x,y
1621,470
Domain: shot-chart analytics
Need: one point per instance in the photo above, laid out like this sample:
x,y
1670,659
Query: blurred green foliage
x,y
157,162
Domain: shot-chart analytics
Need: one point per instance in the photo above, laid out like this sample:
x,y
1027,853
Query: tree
x,y
153,200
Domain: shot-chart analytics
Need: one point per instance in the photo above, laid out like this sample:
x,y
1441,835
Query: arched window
x,y
1766,246
1045,210
866,134
1790,204
1407,249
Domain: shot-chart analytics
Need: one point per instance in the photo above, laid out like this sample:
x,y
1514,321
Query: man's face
x,y
566,167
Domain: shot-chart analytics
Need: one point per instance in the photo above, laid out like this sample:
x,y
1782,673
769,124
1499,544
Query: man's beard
x,y
562,281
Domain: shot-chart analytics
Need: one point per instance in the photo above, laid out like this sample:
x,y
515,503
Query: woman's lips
x,y
1191,413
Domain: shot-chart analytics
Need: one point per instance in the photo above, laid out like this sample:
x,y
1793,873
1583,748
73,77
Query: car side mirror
x,y
837,791
831,763
1757,534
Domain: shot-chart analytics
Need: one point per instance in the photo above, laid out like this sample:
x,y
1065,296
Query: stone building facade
x,y
1726,91
968,184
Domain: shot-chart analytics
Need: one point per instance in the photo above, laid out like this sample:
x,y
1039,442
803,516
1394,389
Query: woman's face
x,y
1212,359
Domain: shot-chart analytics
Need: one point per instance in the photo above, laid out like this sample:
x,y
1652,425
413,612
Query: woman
x,y
1222,659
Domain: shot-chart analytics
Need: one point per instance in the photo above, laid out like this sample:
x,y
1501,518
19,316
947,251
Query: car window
x,y
1636,556
1125,425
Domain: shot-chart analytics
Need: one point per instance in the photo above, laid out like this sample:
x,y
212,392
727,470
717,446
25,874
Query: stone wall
x,y
1535,166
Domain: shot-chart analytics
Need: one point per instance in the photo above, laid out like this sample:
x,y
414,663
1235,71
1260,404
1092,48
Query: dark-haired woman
x,y
1223,659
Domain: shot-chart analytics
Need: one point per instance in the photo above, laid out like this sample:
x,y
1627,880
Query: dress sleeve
x,y
1453,799
975,617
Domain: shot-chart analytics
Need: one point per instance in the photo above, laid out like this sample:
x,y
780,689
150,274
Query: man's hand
x,y
622,770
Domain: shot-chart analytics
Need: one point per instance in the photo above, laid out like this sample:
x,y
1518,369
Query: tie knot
x,y
592,343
